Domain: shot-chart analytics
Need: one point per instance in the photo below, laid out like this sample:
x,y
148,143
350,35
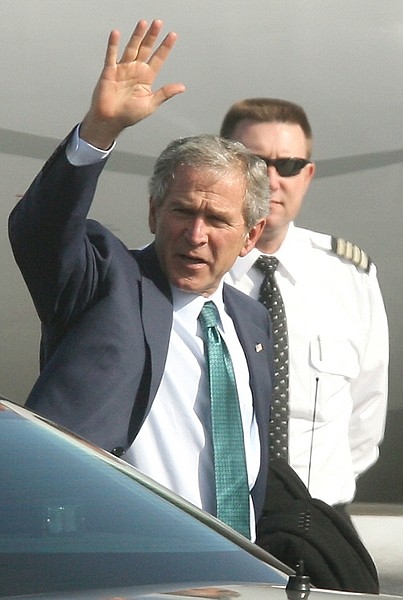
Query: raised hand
x,y
123,95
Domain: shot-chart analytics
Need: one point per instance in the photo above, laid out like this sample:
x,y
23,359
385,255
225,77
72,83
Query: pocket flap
x,y
334,355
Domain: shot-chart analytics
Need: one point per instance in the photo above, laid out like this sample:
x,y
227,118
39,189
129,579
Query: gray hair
x,y
219,156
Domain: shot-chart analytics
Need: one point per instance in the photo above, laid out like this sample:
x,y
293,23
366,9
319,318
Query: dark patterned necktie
x,y
270,297
232,489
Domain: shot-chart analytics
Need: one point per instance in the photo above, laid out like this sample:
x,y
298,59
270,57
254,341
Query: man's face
x,y
278,140
200,228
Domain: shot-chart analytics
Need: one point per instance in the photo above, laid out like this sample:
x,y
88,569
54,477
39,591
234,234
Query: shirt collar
x,y
244,264
190,305
291,259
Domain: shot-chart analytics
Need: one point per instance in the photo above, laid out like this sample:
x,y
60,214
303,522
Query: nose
x,y
196,231
274,177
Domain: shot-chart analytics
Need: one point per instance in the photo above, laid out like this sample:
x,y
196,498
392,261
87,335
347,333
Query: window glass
x,y
69,520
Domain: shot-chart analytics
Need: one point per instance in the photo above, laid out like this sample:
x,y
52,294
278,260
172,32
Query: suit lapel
x,y
249,333
254,343
156,310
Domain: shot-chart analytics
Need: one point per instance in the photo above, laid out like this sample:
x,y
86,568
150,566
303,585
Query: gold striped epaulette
x,y
352,253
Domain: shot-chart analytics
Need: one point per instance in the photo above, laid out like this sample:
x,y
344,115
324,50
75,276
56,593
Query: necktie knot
x,y
208,315
269,294
267,264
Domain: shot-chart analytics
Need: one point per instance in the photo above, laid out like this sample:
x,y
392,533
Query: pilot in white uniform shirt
x,y
338,352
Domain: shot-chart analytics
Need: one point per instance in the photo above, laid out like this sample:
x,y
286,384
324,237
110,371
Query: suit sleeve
x,y
48,235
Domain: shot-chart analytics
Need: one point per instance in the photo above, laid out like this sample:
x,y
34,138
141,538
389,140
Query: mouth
x,y
192,261
274,204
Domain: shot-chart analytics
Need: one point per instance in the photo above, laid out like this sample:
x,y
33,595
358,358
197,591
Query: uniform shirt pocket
x,y
336,356
336,363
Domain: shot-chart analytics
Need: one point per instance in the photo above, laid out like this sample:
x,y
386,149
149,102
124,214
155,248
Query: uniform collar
x,y
292,259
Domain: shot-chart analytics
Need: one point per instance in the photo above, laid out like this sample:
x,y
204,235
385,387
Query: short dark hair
x,y
267,110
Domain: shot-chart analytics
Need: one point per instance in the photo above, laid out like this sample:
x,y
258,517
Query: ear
x,y
310,172
252,237
152,215
307,173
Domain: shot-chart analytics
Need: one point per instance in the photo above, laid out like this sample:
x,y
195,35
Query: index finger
x,y
162,52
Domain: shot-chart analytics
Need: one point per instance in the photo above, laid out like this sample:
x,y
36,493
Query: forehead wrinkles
x,y
208,182
207,175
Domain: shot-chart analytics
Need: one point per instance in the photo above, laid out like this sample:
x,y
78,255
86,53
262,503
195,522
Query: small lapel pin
x,y
258,347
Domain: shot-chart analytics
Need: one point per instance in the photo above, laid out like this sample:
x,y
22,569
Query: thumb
x,y
167,92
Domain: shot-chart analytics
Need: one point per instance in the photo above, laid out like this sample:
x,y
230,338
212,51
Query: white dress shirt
x,y
338,335
174,444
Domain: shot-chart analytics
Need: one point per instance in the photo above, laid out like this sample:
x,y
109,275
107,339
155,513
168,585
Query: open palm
x,y
124,95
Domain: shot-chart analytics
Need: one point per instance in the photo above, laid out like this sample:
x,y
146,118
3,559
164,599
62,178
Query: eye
x,y
218,220
180,210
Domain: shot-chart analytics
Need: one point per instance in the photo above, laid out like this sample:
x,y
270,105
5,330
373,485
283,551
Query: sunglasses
x,y
286,167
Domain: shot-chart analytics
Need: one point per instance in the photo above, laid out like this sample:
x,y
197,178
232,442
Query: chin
x,y
186,285
273,223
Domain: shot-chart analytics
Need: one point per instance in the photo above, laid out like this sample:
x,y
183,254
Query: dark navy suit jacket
x,y
106,315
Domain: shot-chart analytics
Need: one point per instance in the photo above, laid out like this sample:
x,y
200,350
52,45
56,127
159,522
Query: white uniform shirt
x,y
338,334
